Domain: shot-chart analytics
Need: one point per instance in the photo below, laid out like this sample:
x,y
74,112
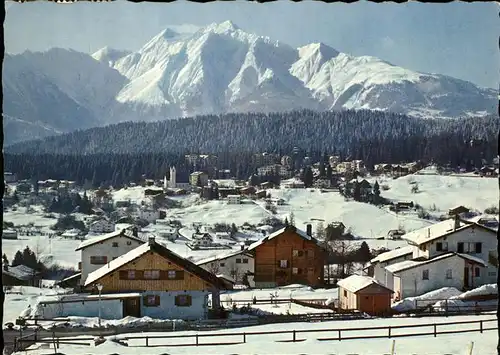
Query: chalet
x,y
9,234
364,294
288,256
365,187
293,183
101,226
395,234
149,214
202,240
19,275
100,250
261,194
267,185
248,190
234,199
458,210
163,284
168,233
234,264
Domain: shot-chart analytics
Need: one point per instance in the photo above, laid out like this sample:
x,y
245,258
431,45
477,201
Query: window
x,y
470,248
283,263
442,246
115,245
492,258
222,264
479,248
345,293
460,247
151,301
295,270
245,261
425,274
152,274
131,274
183,300
98,260
172,274
492,273
295,253
449,274
477,272
238,261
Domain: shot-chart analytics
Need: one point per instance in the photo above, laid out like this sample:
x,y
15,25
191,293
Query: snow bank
x,y
422,301
485,290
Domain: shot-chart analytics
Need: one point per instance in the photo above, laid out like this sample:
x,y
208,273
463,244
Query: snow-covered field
x,y
457,344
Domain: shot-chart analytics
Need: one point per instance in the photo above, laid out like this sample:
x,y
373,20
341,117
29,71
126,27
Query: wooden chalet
x,y
168,284
288,256
364,294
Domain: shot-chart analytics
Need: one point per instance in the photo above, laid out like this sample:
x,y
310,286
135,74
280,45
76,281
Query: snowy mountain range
x,y
218,69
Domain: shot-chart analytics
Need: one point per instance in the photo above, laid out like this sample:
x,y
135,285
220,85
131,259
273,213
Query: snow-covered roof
x,y
226,277
222,256
153,246
20,272
123,232
435,231
393,254
356,283
410,264
279,232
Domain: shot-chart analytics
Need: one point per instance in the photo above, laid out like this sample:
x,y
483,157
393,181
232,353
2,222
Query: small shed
x,y
364,294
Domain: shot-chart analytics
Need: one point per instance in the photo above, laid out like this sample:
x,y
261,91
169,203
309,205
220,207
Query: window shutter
x,y
157,300
163,274
139,275
460,247
179,274
123,275
479,248
188,300
145,300
176,302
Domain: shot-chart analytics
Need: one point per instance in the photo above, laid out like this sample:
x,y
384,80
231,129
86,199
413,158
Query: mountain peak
x,y
168,33
223,27
324,50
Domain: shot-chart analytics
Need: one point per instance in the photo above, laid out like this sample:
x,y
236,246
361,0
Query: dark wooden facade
x,y
289,258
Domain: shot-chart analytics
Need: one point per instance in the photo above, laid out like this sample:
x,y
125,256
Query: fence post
x,y
196,339
435,330
389,332
446,308
244,338
147,341
340,335
481,326
294,336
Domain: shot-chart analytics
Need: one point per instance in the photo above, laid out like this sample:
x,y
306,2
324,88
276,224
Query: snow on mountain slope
x,y
221,68
217,69
34,106
90,83
109,55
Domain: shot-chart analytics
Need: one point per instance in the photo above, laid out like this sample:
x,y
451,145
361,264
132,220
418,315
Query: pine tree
x,y
18,259
5,260
292,219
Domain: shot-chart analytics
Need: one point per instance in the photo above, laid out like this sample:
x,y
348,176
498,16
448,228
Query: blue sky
x,y
457,39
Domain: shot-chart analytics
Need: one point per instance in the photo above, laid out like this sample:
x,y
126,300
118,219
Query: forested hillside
x,y
121,152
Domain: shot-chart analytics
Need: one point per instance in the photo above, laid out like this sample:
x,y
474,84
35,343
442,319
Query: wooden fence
x,y
448,307
331,334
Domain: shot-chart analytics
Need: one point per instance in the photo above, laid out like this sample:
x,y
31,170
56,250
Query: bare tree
x,y
339,253
234,272
215,267
320,231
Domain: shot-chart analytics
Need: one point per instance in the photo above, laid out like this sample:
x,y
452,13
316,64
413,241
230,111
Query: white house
x,y
234,264
463,237
98,251
416,277
101,226
466,248
381,261
9,234
167,233
233,199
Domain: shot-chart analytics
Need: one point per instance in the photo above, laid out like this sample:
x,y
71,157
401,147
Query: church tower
x,y
173,178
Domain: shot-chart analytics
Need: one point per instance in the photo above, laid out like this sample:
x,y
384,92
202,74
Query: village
x,y
158,249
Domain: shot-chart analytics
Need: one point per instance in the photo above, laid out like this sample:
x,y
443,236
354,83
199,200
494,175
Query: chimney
x,y
309,230
457,222
151,240
242,246
135,231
